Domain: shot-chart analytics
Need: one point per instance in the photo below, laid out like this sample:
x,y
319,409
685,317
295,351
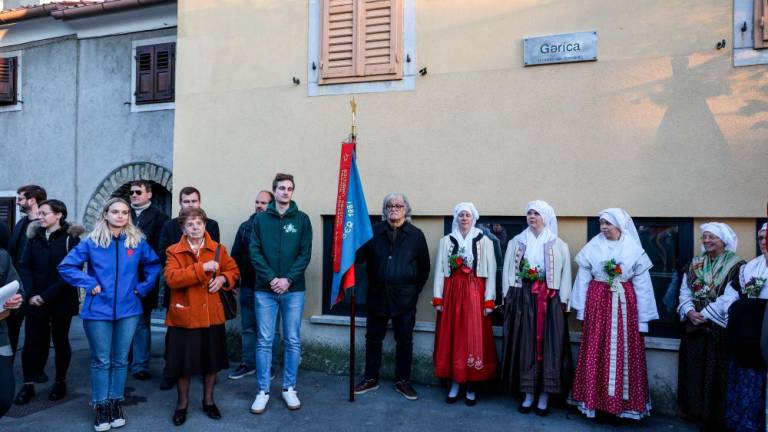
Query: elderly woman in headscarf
x,y
536,286
613,296
464,296
742,309
703,356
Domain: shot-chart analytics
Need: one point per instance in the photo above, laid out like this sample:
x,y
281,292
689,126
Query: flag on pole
x,y
352,226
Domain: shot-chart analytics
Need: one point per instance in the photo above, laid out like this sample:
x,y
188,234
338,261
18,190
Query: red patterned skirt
x,y
464,346
611,374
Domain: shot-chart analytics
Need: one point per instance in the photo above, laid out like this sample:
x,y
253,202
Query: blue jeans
x,y
110,342
142,343
290,305
248,329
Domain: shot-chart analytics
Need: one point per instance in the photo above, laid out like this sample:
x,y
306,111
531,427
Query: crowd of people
x,y
134,253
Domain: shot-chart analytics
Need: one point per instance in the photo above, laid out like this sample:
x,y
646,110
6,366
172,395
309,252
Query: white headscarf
x,y
465,242
626,250
534,246
764,227
723,232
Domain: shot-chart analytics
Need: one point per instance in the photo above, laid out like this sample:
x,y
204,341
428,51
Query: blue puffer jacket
x,y
116,270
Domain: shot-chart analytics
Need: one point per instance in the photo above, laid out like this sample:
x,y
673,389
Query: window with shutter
x,y
760,24
361,41
8,80
8,211
155,73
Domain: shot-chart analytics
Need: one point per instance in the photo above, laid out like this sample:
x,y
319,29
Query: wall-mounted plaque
x,y
562,48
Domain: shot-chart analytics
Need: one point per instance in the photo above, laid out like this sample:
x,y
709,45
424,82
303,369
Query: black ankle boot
x,y
58,391
25,395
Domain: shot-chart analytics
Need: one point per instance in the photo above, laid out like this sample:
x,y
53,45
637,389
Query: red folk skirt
x,y
464,347
593,383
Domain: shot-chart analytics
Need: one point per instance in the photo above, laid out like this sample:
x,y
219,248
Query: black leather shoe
x,y
25,395
142,375
179,416
58,391
524,409
451,400
470,402
542,412
212,411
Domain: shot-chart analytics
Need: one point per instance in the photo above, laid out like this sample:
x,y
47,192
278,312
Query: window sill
x,y
10,108
153,107
654,343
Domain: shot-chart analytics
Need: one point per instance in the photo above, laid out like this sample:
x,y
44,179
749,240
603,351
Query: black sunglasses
x,y
136,192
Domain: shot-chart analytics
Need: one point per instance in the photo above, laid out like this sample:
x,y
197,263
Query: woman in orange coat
x,y
197,268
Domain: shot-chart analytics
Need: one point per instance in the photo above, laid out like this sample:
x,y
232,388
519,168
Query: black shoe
x,y
142,375
116,416
524,409
451,400
58,391
242,371
101,420
542,412
212,411
179,416
367,385
42,378
25,395
470,402
167,383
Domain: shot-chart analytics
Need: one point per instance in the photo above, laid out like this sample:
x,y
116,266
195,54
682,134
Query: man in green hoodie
x,y
281,246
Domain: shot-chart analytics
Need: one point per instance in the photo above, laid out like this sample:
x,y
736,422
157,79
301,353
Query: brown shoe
x,y
405,389
367,385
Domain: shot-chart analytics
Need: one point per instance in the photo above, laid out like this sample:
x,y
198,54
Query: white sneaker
x,y
291,399
260,403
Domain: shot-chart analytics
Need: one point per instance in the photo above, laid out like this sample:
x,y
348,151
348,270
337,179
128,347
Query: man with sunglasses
x,y
149,219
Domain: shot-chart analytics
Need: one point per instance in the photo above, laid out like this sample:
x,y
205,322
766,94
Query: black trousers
x,y
14,321
376,329
38,332
7,384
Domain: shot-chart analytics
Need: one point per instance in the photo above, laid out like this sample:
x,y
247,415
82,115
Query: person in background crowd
x,y
50,302
464,298
196,341
7,383
281,247
189,197
149,219
537,287
397,261
115,252
702,372
613,296
27,198
242,256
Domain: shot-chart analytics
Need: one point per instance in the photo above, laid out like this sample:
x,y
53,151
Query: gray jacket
x,y
7,275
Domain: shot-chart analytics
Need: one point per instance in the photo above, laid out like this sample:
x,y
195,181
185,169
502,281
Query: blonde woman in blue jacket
x,y
115,251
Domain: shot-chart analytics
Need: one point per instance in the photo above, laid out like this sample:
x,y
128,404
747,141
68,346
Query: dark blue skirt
x,y
745,409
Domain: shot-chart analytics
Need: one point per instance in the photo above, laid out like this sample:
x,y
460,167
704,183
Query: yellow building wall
x,y
662,124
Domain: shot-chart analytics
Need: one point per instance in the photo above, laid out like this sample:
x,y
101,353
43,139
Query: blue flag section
x,y
354,231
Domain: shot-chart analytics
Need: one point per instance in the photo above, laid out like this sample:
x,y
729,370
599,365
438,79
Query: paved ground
x,y
324,407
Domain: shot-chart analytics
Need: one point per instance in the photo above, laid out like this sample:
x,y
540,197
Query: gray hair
x,y
390,197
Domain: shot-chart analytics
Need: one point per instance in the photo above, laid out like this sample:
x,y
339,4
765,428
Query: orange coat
x,y
191,305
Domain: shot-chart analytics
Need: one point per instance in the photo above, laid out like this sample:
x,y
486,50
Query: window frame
x,y
11,194
744,51
406,83
151,106
19,84
658,328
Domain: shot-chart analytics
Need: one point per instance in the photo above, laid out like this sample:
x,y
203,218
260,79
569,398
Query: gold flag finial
x,y
353,104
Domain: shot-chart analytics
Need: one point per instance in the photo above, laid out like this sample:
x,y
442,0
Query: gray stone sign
x,y
562,48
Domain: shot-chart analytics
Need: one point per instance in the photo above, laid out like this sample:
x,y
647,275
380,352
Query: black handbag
x,y
228,300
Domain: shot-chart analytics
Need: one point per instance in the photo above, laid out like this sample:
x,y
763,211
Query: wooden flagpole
x,y
352,299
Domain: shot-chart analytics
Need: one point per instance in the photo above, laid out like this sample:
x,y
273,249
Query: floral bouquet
x,y
700,291
458,261
753,287
532,274
612,269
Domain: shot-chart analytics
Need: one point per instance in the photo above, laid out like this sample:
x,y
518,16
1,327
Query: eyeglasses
x,y
395,207
136,192
43,214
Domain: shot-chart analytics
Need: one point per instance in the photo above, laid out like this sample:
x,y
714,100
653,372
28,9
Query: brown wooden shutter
x,y
165,71
145,74
361,41
8,212
8,80
760,24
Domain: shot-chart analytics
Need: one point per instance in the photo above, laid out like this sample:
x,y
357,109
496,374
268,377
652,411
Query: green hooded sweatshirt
x,y
281,246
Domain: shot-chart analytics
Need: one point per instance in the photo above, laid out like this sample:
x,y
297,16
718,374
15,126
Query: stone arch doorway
x,y
116,184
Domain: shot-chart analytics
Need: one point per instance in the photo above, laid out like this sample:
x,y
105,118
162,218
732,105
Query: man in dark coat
x,y
170,234
7,382
397,261
149,219
27,198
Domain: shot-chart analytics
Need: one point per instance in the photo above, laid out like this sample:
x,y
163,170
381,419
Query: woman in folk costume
x,y
537,285
464,295
613,296
742,309
703,356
